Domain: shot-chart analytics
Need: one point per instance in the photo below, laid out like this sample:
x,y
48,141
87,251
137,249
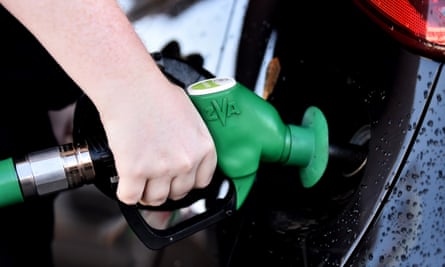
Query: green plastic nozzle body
x,y
248,130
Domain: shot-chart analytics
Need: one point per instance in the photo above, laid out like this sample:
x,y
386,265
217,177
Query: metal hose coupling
x,y
54,169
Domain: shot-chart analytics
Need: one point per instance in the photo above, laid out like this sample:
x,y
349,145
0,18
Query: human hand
x,y
161,146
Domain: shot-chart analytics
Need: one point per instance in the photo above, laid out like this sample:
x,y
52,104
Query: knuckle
x,y
127,198
203,182
154,199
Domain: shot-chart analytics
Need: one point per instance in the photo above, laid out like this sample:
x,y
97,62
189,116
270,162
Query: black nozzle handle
x,y
216,210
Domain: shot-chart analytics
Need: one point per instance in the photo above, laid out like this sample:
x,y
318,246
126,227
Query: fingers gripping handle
x,y
88,127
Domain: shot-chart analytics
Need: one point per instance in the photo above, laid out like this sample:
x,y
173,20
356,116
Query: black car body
x,y
373,90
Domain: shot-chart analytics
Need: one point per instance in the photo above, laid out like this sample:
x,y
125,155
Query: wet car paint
x,y
408,224
392,214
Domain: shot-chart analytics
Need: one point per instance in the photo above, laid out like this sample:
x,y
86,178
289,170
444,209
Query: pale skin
x,y
161,146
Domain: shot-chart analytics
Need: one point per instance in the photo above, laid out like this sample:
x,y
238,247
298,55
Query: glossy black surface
x,y
390,214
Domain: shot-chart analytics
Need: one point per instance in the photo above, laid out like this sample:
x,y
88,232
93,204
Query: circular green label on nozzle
x,y
212,85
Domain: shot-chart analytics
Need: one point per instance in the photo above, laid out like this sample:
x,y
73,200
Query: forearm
x,y
93,41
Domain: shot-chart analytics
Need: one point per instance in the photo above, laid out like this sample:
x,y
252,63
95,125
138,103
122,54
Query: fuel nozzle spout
x,y
348,159
248,130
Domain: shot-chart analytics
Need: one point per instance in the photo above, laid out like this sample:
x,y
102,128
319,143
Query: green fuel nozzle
x,y
247,130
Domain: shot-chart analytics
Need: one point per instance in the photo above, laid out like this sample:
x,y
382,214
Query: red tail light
x,y
417,24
